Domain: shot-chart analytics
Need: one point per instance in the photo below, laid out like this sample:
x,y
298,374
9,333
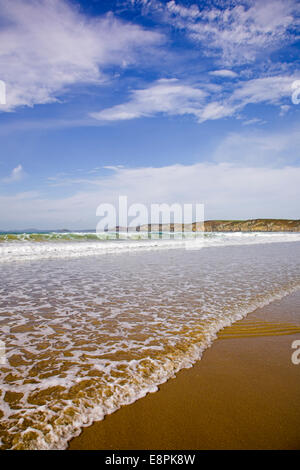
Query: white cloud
x,y
242,32
16,175
184,12
260,148
224,73
269,90
266,89
284,109
215,110
249,122
168,96
237,32
174,97
46,46
227,190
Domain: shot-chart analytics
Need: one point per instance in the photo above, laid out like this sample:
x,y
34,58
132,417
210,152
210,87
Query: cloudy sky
x,y
162,101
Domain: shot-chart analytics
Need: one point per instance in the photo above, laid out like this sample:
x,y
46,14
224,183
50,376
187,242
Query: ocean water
x,y
90,325
33,246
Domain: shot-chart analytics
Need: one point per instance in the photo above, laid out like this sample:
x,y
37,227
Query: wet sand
x,y
243,394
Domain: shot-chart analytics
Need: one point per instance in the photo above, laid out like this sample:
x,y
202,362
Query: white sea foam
x,y
23,248
84,336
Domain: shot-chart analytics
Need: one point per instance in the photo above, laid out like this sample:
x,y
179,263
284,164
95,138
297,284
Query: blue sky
x,y
162,101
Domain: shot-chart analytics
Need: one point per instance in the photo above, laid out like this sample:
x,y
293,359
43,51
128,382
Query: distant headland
x,y
252,225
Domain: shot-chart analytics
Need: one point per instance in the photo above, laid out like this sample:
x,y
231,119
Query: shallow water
x,y
85,335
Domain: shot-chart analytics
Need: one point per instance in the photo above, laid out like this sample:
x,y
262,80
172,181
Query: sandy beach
x,y
96,336
243,394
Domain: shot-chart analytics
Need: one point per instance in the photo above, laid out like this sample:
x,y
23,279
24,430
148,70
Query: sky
x,y
162,101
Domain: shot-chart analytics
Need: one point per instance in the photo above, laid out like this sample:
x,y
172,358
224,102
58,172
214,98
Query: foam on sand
x,y
85,336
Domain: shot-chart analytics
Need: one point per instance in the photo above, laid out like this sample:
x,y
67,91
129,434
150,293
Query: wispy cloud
x,y
268,90
47,46
260,148
251,174
228,191
174,97
16,175
249,122
224,73
235,32
168,96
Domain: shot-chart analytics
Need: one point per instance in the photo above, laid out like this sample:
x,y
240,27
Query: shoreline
x,y
242,394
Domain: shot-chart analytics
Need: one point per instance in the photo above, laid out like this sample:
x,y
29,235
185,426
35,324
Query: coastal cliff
x,y
256,225
253,225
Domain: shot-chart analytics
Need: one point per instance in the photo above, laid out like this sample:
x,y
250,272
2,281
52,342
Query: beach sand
x,y
243,394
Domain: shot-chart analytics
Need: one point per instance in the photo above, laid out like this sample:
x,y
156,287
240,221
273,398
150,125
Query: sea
x,y
92,322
